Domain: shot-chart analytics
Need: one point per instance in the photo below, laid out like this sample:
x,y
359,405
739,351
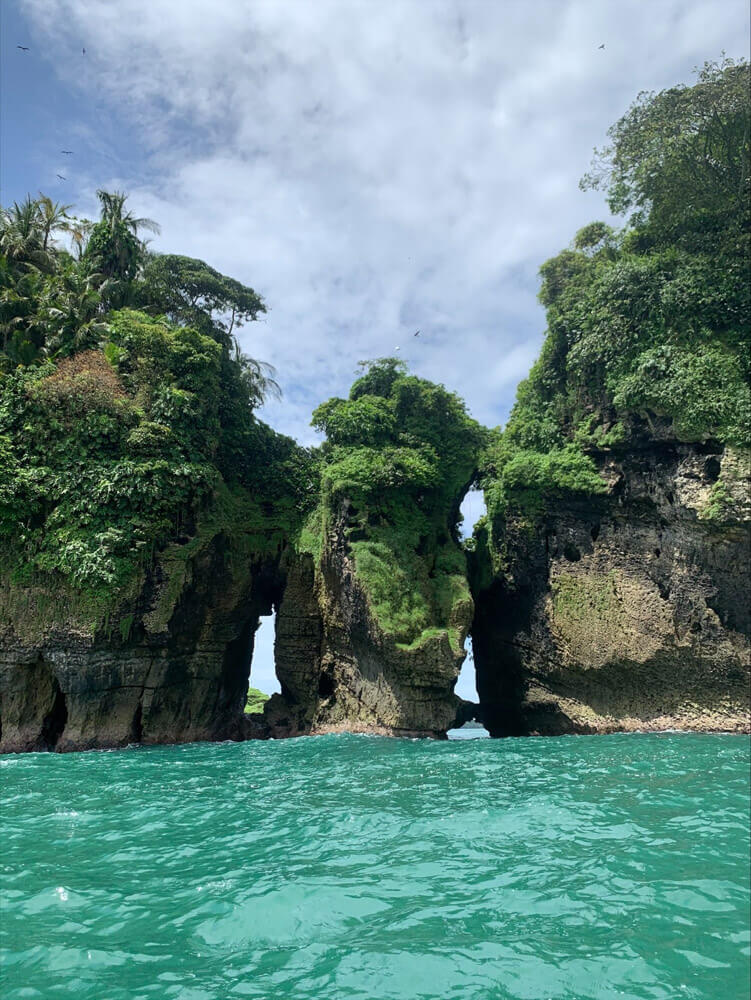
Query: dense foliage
x,y
400,453
127,407
255,701
121,427
126,423
648,324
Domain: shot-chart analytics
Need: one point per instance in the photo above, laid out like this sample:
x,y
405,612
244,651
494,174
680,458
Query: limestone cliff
x,y
340,670
172,666
625,611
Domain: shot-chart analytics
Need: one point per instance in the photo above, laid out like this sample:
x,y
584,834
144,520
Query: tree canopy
x,y
396,430
683,154
650,322
189,291
399,456
120,425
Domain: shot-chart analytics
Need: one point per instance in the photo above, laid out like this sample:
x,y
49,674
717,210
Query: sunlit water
x,y
361,867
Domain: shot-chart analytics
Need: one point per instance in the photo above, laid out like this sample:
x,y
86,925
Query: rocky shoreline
x,y
623,613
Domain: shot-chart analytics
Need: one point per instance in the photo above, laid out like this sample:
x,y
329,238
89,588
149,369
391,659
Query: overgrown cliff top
x,y
647,324
127,408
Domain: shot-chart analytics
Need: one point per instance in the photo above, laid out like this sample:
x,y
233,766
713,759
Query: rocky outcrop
x,y
172,667
110,634
340,671
626,611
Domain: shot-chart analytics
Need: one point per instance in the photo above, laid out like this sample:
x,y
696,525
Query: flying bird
x,y
416,333
61,177
23,48
83,51
397,348
601,46
67,152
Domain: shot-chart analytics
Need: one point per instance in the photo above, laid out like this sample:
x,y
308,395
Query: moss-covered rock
x,y
626,612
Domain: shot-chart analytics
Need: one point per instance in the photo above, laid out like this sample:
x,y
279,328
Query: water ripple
x,y
346,867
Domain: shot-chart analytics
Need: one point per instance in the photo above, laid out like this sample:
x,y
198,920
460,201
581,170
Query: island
x,y
149,518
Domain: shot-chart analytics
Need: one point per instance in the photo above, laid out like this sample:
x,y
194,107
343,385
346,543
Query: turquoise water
x,y
361,867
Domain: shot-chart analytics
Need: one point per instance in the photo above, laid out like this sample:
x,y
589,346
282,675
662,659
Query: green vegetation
x,y
579,600
255,701
128,438
399,455
125,432
650,323
127,428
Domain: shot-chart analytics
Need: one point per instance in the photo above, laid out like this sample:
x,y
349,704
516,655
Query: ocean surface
x,y
362,867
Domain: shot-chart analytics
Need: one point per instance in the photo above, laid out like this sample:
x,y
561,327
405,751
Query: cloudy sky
x,y
371,168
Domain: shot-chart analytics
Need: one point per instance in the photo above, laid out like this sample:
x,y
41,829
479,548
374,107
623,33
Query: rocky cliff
x,y
172,664
628,610
340,670
371,629
128,609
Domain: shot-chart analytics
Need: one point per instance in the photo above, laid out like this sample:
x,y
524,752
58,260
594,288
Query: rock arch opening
x,y
466,684
472,508
263,665
282,657
469,722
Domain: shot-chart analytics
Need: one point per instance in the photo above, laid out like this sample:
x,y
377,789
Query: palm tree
x,y
22,238
257,377
113,212
79,231
52,217
69,311
114,249
21,333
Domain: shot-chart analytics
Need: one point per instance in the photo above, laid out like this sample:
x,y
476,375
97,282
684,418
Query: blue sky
x,y
369,168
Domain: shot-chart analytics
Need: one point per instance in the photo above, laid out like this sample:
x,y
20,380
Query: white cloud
x,y
375,168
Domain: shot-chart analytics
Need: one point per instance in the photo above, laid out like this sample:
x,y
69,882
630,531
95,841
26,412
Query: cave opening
x,y
712,469
262,668
498,660
54,721
472,509
136,727
466,688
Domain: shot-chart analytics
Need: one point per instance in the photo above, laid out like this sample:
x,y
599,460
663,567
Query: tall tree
x,y
53,217
682,153
114,249
189,291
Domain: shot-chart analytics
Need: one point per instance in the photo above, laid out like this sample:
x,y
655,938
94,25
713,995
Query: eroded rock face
x,y
174,665
340,671
171,676
623,612
629,611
